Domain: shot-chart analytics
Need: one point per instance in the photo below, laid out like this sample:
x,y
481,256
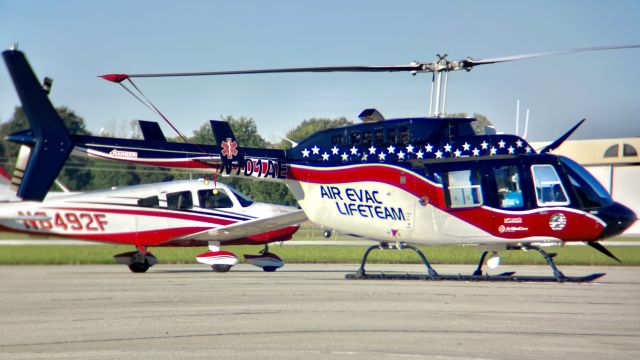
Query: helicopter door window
x,y
336,140
549,189
379,136
508,187
180,200
464,188
209,200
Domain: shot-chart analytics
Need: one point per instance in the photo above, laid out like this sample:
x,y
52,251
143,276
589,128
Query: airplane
x,y
421,180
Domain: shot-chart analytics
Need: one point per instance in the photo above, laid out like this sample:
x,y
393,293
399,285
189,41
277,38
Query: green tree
x,y
479,126
310,126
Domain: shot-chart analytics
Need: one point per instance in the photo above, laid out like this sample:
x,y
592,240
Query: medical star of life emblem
x,y
229,148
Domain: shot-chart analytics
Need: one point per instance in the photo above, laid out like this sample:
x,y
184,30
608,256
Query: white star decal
x,y
382,156
354,150
428,147
519,143
511,150
325,156
409,149
528,149
305,152
344,156
420,154
447,148
501,144
457,153
438,154
315,149
391,149
475,152
484,145
401,155
334,150
372,150
493,151
466,146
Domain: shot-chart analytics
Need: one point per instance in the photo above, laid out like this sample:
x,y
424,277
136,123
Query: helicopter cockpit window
x,y
151,201
464,188
379,136
354,137
549,189
336,140
508,187
591,193
180,200
404,135
209,200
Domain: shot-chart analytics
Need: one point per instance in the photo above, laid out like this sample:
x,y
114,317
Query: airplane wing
x,y
247,228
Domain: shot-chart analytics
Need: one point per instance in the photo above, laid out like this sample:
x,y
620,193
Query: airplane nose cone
x,y
618,218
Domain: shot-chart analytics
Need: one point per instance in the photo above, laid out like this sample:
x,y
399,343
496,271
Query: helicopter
x,y
401,182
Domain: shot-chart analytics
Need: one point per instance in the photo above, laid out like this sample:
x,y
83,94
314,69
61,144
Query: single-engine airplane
x,y
423,180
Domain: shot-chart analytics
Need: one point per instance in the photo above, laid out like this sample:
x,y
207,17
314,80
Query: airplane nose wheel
x,y
139,267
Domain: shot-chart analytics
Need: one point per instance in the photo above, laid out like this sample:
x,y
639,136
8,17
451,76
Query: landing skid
x,y
477,275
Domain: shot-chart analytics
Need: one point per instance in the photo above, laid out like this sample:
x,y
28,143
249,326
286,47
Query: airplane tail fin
x,y
48,138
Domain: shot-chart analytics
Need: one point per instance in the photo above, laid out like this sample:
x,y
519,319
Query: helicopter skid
x,y
504,277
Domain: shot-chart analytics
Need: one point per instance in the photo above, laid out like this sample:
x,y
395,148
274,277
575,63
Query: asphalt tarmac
x,y
311,312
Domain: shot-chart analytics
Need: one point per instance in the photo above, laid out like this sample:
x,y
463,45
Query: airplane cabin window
x,y
508,187
151,201
549,189
180,200
464,188
209,200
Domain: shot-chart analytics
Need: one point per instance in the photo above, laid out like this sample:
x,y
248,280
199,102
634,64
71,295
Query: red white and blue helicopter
x,y
429,180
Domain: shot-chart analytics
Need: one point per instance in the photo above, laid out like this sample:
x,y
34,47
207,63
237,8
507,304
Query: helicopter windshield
x,y
591,192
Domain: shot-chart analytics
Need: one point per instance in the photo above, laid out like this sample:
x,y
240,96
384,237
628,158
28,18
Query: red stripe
x,y
161,214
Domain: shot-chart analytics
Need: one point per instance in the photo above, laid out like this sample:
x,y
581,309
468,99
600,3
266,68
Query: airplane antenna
x,y
526,124
517,115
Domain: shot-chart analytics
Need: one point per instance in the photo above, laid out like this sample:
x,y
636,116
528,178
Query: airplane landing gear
x,y
138,261
269,262
221,268
558,276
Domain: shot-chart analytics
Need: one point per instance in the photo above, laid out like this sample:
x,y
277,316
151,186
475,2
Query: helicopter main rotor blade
x,y
474,62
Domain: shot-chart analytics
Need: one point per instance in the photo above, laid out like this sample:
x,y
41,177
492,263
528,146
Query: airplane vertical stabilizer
x,y
52,141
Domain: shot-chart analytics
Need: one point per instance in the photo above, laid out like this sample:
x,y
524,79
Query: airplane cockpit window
x,y
209,200
243,199
589,190
464,188
151,201
180,200
549,189
508,187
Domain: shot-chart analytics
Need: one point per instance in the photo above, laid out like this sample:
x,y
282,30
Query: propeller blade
x,y
602,249
473,62
554,145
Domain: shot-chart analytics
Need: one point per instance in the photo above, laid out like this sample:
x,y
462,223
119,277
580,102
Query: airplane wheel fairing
x,y
139,267
270,268
221,268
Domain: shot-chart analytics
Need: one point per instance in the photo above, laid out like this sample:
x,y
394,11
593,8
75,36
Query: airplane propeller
x,y
442,64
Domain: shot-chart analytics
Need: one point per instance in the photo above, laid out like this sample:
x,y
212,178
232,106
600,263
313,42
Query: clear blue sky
x,y
74,41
